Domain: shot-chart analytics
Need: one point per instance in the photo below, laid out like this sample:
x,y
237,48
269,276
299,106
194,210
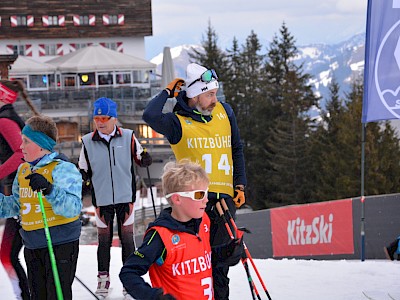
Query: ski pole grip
x,y
219,209
224,204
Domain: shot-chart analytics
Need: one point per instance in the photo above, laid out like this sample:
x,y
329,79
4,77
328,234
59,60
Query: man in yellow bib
x,y
205,130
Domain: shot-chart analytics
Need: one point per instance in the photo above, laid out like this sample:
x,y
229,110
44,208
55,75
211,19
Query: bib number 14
x,y
223,163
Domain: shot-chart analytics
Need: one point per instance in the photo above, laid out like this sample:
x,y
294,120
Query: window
x,y
50,49
52,80
81,46
84,20
19,49
105,78
21,20
123,78
87,79
111,46
145,131
38,81
113,19
53,20
140,76
69,80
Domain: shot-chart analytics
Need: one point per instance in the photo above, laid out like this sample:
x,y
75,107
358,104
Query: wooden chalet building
x,y
46,30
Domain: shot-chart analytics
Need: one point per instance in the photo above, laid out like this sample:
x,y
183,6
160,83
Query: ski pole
x,y
226,209
151,192
221,214
256,270
80,281
253,289
51,251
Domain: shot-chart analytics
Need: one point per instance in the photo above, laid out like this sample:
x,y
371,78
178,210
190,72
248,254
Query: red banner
x,y
313,229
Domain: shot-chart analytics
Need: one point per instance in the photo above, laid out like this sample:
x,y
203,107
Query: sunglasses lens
x,y
206,76
199,195
102,119
214,74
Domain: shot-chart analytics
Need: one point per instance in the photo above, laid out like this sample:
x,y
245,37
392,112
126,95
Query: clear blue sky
x,y
310,21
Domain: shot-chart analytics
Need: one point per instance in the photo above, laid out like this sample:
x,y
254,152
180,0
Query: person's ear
x,y
176,200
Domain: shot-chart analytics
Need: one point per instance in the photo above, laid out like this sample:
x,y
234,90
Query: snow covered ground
x,y
285,279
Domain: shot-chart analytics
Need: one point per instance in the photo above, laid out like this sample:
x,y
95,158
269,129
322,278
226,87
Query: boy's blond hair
x,y
179,175
44,124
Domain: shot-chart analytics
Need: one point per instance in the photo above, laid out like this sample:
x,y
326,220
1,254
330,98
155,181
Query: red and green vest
x,y
186,272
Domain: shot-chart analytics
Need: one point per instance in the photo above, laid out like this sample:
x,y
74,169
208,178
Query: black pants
x,y
40,273
220,236
105,232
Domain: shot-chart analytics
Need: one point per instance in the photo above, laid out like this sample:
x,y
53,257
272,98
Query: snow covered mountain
x,y
180,58
343,61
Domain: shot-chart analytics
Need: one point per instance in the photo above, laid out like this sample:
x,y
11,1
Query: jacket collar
x,y
182,108
96,136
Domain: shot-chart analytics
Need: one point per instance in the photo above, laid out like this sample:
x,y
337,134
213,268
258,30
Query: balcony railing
x,y
131,100
156,146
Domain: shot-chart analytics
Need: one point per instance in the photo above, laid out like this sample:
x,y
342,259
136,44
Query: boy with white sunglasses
x,y
176,248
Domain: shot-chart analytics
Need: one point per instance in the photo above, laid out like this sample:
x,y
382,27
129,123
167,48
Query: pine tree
x,y
212,57
287,146
234,82
326,149
381,146
243,92
337,149
388,153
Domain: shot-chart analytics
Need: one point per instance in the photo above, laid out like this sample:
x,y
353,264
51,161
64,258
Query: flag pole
x,y
363,129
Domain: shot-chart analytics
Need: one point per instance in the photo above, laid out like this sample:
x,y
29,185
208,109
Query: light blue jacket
x,y
65,199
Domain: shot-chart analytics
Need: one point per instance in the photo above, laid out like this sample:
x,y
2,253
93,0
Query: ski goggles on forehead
x,y
206,77
197,195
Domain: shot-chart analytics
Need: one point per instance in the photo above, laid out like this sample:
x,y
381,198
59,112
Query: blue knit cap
x,y
105,107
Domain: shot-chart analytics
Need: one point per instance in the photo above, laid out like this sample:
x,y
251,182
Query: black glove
x,y
145,159
230,253
85,178
174,87
39,182
161,296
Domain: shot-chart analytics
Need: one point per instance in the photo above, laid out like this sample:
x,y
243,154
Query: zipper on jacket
x,y
109,160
